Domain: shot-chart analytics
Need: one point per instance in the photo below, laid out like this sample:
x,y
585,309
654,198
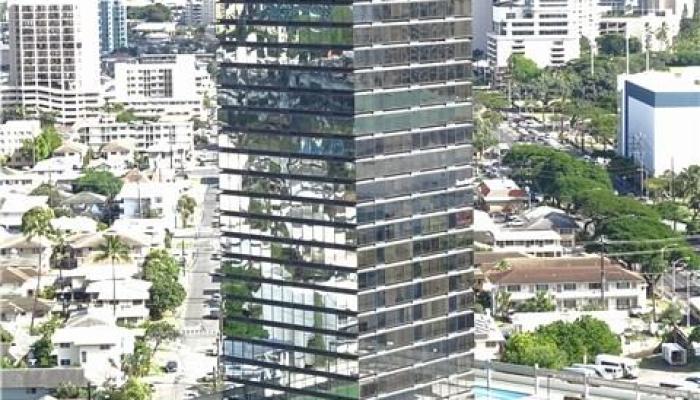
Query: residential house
x,y
117,154
573,282
16,311
18,248
550,218
149,200
84,247
541,243
153,229
14,205
91,340
13,180
132,296
17,281
35,383
75,281
499,238
73,225
57,170
71,152
488,339
501,196
86,203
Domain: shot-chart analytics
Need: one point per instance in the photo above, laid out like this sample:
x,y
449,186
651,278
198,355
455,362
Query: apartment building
x,y
573,283
546,31
54,58
13,133
113,32
167,87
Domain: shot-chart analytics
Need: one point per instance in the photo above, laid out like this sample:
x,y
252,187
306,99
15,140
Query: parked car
x,y
171,366
216,296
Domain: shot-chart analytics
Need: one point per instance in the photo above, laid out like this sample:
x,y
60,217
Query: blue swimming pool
x,y
482,393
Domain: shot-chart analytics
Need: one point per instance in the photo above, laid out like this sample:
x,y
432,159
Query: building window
x,y
64,345
513,288
569,286
105,346
623,285
570,304
624,304
65,362
594,286
83,357
541,287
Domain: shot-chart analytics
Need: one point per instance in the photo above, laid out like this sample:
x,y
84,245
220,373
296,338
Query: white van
x,y
599,370
583,373
610,362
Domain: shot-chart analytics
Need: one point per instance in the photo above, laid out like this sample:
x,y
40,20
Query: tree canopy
x,y
41,147
542,302
161,269
523,69
151,13
614,44
562,343
101,182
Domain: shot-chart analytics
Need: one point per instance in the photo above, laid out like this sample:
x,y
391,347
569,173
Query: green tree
x,y
586,336
50,191
101,182
113,249
532,349
150,13
614,45
69,390
185,206
41,147
695,335
126,116
133,389
159,332
41,349
138,363
37,223
540,303
161,269
604,128
523,69
671,315
483,137
491,100
5,336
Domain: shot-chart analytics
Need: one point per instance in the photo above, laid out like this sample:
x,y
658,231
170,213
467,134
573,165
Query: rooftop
x,y
16,275
20,203
685,79
50,378
558,270
127,289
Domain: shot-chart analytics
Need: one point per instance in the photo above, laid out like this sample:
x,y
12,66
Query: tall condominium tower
x,y
113,32
54,58
346,206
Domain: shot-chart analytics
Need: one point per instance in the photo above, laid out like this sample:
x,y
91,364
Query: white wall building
x,y
657,110
14,205
132,296
168,88
572,282
171,138
150,200
14,132
12,180
545,31
54,58
93,341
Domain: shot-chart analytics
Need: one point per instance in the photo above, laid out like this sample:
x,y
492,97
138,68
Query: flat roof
x,y
685,80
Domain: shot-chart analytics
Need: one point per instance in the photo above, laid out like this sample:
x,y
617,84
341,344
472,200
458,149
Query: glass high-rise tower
x,y
346,206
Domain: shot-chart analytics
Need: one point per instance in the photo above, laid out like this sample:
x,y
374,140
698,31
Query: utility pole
x,y
627,50
603,249
591,45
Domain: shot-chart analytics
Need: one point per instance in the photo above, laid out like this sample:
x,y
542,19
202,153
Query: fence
x,y
584,385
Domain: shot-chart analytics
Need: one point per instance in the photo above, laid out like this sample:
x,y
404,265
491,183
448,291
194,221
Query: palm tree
x,y
37,223
185,206
113,249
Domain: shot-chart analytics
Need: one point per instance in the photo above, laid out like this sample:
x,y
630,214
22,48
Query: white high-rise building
x,y
546,31
54,58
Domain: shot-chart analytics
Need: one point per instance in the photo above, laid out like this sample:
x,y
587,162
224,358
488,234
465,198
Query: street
x,y
198,335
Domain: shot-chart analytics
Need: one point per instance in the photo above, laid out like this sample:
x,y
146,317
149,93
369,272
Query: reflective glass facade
x,y
346,209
